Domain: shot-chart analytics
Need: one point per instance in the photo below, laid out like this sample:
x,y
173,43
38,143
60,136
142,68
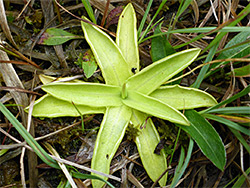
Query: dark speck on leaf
x,y
133,70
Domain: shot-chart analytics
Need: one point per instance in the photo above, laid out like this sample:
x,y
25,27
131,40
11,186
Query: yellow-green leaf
x,y
91,94
127,37
154,75
48,106
146,143
109,137
114,68
181,97
154,107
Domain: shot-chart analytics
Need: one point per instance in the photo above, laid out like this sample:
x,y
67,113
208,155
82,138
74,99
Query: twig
x,y
22,168
85,168
105,13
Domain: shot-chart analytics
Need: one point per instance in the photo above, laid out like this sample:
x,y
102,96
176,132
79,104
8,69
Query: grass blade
x,y
241,139
28,138
89,10
150,23
231,99
218,38
144,18
232,110
181,168
235,52
199,30
228,123
205,68
241,179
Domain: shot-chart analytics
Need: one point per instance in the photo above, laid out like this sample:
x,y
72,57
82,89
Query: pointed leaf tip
x,y
206,138
127,37
181,97
154,107
154,75
114,68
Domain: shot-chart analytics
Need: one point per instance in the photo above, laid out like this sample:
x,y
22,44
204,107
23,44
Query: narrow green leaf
x,y
181,168
241,179
180,97
146,143
227,122
236,52
232,110
127,37
3,151
178,173
205,68
89,10
154,107
91,94
180,163
80,114
206,138
220,35
109,137
143,21
55,36
49,106
238,95
160,46
151,25
28,138
241,139
198,30
114,68
151,77
183,7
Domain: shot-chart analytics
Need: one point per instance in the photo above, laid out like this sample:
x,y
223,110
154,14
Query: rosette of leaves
x,y
127,96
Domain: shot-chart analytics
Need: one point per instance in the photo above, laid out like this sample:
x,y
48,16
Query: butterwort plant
x,y
128,96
